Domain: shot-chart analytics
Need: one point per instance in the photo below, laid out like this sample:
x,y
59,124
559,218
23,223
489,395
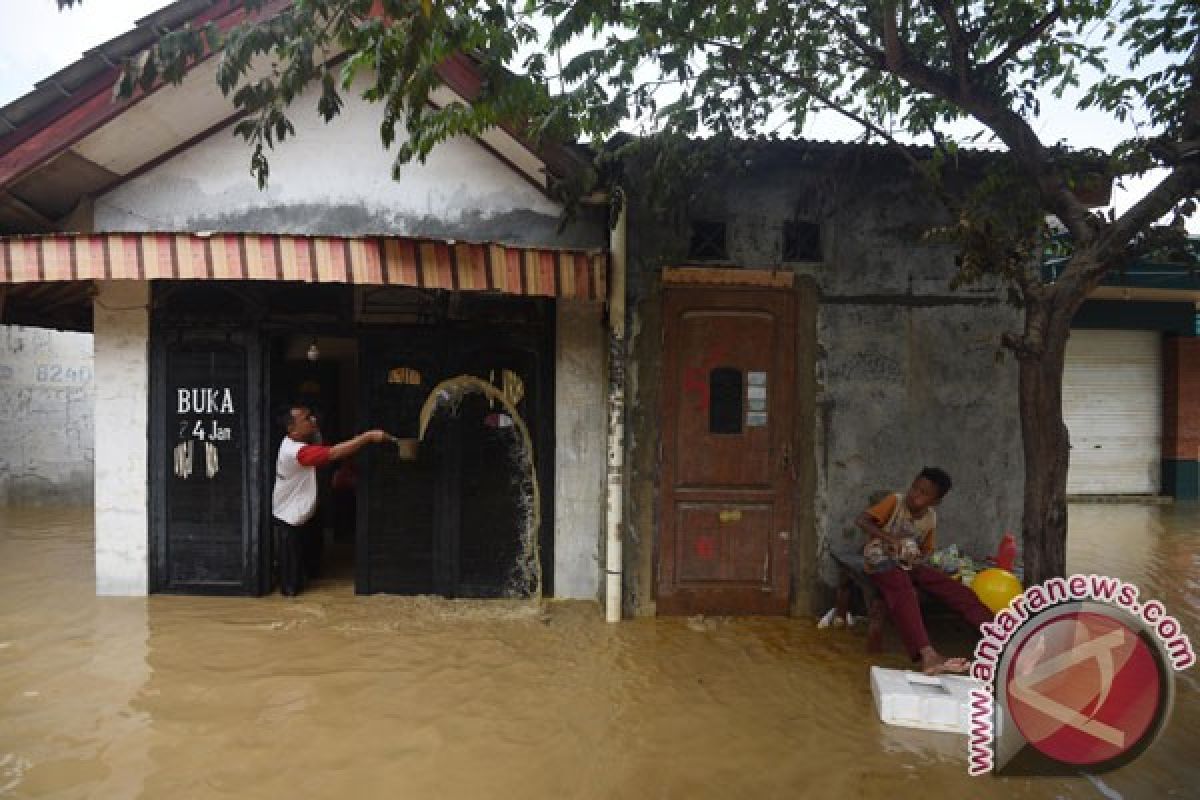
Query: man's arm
x,y
351,446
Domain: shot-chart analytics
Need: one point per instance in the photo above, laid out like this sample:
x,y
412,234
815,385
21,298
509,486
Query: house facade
x,y
214,304
711,387
794,348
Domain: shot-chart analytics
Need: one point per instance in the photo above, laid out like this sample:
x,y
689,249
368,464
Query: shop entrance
x,y
320,372
229,360
451,522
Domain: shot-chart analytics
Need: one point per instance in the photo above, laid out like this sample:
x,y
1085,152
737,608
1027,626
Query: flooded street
x,y
333,695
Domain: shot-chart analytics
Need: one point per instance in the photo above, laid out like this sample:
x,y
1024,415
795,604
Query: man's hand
x,y
378,437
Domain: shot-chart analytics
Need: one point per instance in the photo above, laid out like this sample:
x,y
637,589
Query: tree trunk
x,y
1046,443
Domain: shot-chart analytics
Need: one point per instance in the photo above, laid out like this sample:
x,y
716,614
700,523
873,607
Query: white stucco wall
x,y
122,388
336,179
45,417
579,458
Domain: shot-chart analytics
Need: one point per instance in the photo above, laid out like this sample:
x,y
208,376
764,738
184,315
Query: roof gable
x,y
65,144
330,179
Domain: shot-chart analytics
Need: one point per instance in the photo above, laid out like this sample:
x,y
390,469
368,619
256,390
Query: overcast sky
x,y
37,40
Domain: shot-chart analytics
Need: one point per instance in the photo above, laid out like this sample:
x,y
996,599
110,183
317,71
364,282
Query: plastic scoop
x,y
406,449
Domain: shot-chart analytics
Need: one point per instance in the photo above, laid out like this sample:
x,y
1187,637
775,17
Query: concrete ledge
x,y
1133,499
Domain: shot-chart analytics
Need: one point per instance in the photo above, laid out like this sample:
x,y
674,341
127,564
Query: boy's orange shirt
x,y
893,516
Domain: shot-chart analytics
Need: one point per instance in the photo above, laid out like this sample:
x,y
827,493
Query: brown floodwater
x,y
332,695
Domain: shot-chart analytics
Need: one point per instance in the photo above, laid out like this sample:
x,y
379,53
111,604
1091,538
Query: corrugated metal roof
x,y
97,62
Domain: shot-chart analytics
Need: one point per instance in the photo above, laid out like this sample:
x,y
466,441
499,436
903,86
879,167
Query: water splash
x,y
525,577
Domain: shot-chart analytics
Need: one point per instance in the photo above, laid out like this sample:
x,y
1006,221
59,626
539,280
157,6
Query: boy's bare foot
x,y
934,663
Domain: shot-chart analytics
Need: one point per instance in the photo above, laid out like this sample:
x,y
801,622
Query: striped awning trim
x,y
380,260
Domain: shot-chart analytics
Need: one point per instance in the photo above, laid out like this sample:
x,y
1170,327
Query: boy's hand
x,y
870,527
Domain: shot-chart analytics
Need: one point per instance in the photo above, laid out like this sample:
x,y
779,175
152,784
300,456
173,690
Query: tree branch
x,y
806,85
1015,132
1191,113
1172,152
1183,181
958,44
876,56
893,48
1024,40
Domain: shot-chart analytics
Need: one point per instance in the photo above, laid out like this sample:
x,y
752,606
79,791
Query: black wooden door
x,y
206,445
395,538
451,523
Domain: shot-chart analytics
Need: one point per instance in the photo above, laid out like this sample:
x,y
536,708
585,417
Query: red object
x,y
899,590
1006,554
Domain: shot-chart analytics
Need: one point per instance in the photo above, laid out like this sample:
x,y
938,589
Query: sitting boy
x,y
900,534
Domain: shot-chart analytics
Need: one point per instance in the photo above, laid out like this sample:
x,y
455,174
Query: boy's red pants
x,y
899,590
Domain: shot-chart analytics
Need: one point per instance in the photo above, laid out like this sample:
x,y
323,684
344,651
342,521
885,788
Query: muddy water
x,y
332,695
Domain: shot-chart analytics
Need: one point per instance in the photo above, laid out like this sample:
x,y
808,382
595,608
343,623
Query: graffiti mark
x,y
696,379
59,373
183,459
212,462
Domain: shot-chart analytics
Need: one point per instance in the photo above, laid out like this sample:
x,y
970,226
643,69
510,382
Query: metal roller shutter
x,y
1112,404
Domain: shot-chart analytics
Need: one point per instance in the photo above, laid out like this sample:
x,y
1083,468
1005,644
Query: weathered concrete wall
x,y
903,371
122,386
45,417
336,179
579,425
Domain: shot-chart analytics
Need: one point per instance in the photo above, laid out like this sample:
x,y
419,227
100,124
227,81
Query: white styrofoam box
x,y
916,700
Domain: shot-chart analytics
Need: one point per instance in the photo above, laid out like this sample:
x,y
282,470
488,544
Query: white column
x,y
122,335
579,449
614,514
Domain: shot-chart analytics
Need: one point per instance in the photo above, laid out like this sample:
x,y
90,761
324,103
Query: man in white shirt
x,y
294,499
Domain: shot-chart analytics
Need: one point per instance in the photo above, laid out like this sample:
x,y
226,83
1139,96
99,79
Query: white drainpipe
x,y
614,516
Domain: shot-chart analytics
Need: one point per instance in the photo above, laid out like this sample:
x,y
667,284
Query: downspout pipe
x,y
614,495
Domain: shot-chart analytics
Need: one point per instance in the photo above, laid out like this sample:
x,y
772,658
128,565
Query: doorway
x,y
320,372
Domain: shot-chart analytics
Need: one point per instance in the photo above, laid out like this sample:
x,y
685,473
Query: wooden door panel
x,y
714,343
727,486
720,542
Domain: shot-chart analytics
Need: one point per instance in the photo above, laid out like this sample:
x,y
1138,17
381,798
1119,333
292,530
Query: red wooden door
x,y
728,471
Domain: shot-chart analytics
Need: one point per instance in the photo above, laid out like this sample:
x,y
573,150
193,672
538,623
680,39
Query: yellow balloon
x,y
996,588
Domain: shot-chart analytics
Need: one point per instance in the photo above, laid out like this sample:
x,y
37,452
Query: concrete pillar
x,y
579,466
122,334
1181,417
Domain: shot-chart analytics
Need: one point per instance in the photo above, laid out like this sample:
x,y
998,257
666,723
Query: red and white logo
x,y
1085,689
